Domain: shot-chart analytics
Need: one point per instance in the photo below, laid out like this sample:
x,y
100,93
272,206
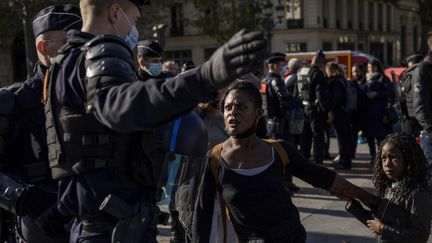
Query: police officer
x,y
422,81
26,187
97,109
279,102
312,85
150,61
409,123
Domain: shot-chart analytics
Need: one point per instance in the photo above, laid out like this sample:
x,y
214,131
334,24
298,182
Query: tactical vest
x,y
304,82
77,141
407,98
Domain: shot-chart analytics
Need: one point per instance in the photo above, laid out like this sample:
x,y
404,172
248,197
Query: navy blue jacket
x,y
279,101
375,107
123,107
27,142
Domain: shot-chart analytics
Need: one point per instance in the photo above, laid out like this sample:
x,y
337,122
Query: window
x,y
350,11
403,41
377,50
326,13
389,53
176,20
345,46
361,13
180,56
389,17
339,12
296,47
208,52
327,46
380,17
294,14
371,15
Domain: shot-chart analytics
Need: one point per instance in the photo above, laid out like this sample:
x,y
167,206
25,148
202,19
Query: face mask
x,y
154,69
132,37
283,70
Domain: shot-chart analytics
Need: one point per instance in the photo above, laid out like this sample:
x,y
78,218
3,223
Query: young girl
x,y
400,177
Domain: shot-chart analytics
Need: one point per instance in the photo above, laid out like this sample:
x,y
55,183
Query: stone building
x,y
389,30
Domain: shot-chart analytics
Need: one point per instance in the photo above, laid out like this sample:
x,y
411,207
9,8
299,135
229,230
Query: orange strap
x,y
44,98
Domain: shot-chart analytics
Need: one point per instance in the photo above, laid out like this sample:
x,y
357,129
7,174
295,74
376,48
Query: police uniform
x,y
96,113
150,48
26,156
314,99
279,101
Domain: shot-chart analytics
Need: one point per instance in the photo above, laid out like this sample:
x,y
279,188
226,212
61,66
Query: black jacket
x,y
422,80
279,101
318,89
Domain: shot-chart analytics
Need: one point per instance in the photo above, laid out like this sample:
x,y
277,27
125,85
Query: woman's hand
x,y
375,225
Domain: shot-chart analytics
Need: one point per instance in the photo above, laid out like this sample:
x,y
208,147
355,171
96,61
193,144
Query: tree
x,y
220,19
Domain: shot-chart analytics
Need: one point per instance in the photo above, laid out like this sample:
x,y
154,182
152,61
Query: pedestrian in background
x,y
337,114
378,97
358,119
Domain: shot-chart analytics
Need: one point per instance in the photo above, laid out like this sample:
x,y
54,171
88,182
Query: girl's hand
x,y
375,225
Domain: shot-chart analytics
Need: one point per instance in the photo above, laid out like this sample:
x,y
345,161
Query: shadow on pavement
x,y
334,238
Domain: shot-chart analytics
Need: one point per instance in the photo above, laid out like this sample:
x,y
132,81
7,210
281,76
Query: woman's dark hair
x,y
377,63
416,171
246,87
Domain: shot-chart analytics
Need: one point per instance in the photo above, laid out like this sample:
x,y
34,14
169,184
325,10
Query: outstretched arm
x,y
344,189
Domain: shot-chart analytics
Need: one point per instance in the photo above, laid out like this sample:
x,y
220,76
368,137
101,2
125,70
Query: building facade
x,y
389,30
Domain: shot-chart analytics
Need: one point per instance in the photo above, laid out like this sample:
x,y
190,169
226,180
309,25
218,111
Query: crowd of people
x,y
94,140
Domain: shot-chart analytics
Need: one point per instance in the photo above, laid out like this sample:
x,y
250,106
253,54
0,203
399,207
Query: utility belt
x,y
128,223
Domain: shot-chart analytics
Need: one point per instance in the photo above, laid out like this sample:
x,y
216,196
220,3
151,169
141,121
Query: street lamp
x,y
266,21
28,36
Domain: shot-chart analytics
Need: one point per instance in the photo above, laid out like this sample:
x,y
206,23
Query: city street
x,y
323,215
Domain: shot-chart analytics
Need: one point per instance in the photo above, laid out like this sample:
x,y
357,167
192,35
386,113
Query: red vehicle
x,y
344,58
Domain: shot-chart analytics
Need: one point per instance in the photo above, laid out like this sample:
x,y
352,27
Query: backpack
x,y
350,103
304,82
406,100
214,169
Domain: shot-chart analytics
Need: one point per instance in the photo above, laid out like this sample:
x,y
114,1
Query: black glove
x,y
242,54
52,222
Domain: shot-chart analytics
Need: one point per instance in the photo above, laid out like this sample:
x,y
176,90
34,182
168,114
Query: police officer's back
x,y
98,109
312,85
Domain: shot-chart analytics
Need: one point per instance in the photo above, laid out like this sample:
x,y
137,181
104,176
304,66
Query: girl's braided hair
x,y
417,171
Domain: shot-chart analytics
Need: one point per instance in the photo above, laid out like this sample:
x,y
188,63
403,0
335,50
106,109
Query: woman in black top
x,y
250,176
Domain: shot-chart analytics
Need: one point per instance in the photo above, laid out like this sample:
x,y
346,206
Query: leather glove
x,y
242,54
52,222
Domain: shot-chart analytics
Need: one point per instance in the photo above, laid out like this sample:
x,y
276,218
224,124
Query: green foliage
x,y
220,19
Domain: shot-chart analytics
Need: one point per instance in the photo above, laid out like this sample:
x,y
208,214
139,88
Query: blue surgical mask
x,y
283,70
132,37
154,69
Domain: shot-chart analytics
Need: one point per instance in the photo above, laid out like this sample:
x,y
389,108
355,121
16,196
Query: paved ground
x,y
324,216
